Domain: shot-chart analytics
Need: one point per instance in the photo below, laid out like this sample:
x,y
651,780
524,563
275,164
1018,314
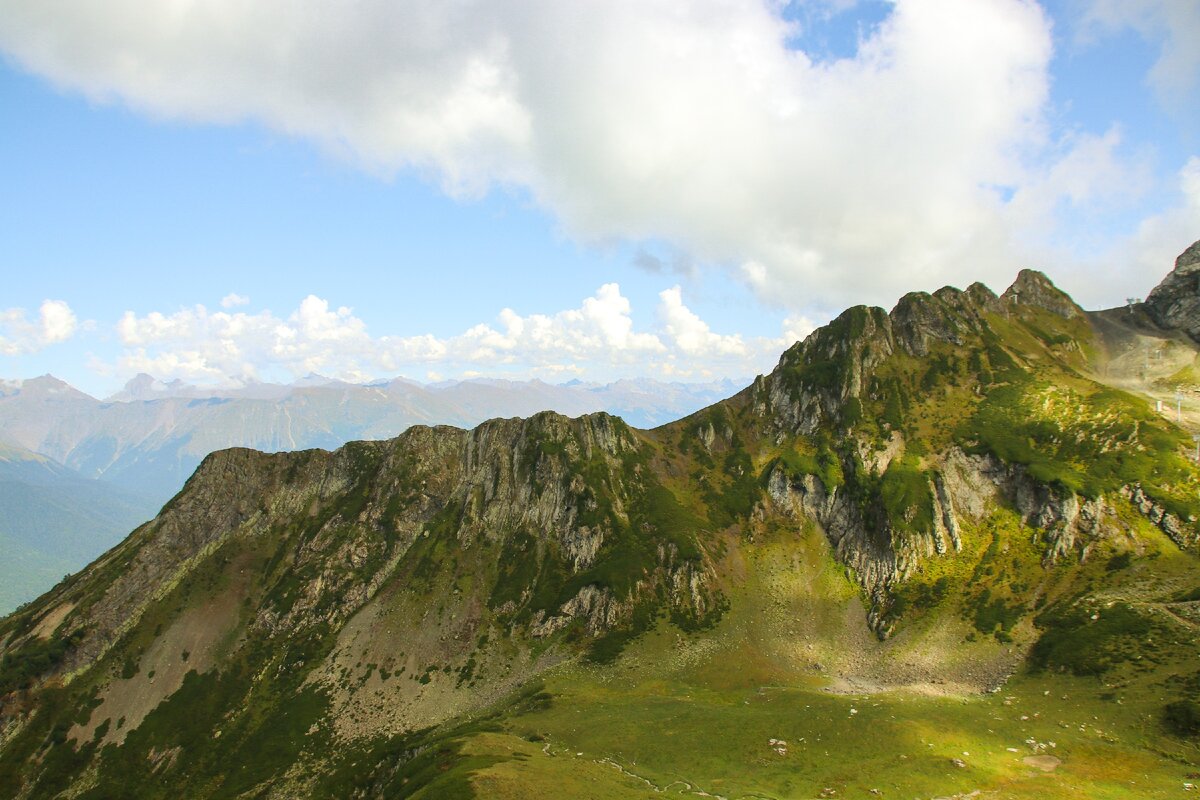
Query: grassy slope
x,y
700,711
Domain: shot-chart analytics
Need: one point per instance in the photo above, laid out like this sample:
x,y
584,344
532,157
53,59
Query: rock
x,y
1175,303
1044,763
1032,288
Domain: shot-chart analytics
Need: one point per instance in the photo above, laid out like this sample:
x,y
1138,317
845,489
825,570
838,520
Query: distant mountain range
x,y
77,473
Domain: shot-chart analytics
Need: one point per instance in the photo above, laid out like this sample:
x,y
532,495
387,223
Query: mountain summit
x,y
946,543
1175,303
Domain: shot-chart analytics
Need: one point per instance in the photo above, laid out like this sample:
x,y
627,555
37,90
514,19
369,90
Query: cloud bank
x,y
924,158
197,344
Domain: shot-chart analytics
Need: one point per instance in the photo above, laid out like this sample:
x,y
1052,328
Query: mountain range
x,y
77,473
946,550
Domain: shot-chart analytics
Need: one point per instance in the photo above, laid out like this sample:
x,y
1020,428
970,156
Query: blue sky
x,y
604,191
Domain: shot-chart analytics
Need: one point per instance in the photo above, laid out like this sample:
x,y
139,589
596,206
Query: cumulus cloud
x,y
921,159
690,334
233,300
20,335
696,124
599,338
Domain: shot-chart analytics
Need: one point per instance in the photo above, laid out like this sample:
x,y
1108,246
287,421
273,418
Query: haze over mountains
x,y
80,472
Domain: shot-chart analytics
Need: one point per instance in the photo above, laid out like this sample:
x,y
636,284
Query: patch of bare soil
x,y
48,624
190,643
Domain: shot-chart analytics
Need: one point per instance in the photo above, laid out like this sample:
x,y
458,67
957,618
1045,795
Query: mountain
x,y
126,456
150,436
52,522
937,551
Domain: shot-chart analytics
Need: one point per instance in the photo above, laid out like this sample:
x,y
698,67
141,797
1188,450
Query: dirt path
x,y
1166,609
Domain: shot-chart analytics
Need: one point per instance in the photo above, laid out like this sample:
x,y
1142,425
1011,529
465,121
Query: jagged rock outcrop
x,y
1175,303
965,488
1182,532
1033,288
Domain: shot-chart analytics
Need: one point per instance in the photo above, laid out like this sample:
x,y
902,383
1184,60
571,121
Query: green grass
x,y
1087,441
1088,640
20,668
896,743
819,459
906,496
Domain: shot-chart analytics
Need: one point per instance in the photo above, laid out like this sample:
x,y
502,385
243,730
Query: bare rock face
x,y
1032,288
1175,303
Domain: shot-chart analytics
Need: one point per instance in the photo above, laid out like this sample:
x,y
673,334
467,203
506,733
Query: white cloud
x,y
692,124
599,339
797,329
1147,257
690,334
19,335
1100,271
233,300
57,321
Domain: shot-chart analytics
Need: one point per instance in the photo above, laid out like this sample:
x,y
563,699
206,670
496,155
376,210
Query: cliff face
x,y
1175,303
387,587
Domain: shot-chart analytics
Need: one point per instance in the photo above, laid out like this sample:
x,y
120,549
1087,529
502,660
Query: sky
x,y
221,191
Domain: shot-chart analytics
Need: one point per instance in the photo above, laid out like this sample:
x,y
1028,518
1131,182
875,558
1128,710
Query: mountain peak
x,y
146,387
1175,303
1033,288
1189,260
49,386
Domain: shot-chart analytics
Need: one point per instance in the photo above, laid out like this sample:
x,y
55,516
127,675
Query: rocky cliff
x,y
1175,303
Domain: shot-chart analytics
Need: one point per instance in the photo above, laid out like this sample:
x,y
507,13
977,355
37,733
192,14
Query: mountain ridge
x,y
941,495
145,444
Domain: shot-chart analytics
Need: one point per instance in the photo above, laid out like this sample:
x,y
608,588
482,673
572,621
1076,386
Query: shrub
x,y
1182,718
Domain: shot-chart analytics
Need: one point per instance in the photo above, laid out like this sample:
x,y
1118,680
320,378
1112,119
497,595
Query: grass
x,y
704,714
817,459
906,496
19,669
1089,640
714,737
896,743
1085,440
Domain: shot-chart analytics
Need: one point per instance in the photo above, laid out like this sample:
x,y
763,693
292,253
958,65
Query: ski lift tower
x,y
1130,302
1196,439
1178,407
